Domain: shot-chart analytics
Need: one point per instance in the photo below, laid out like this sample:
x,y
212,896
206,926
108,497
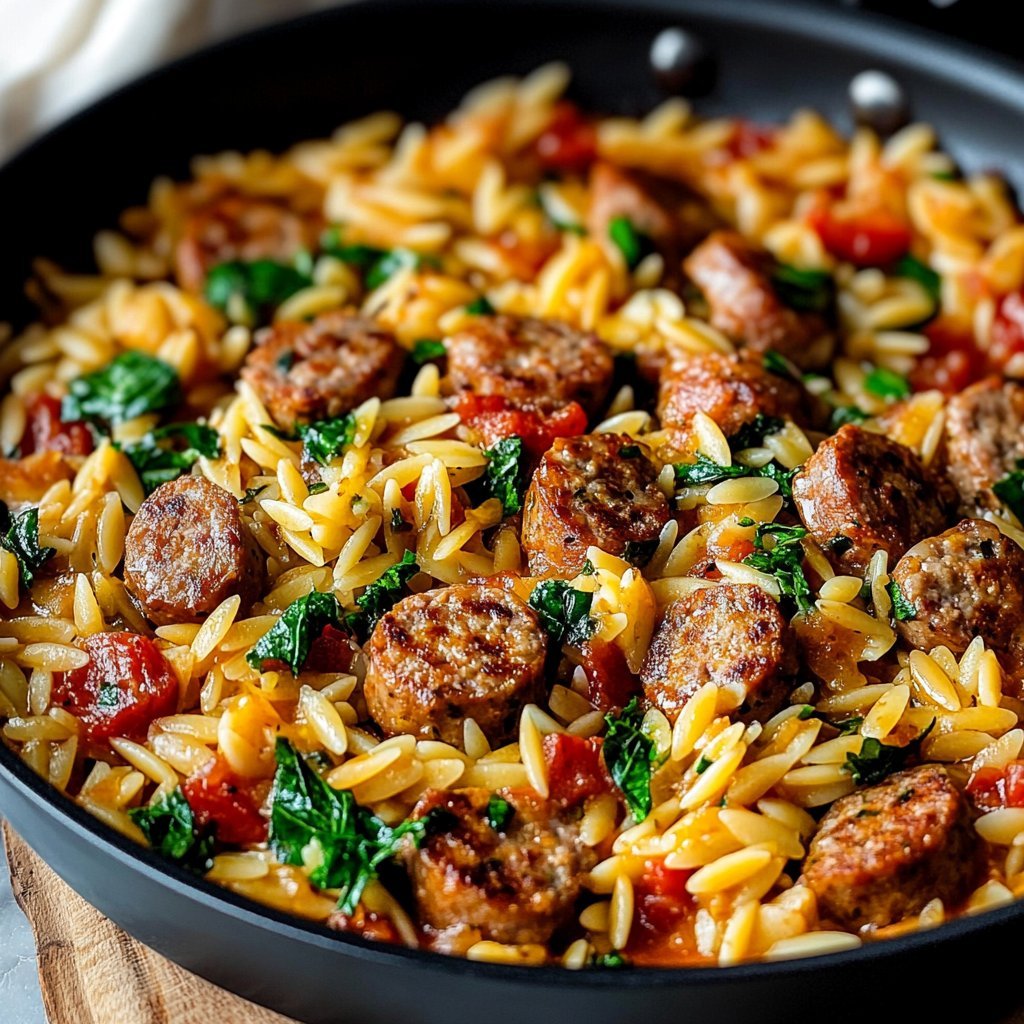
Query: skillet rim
x,y
995,78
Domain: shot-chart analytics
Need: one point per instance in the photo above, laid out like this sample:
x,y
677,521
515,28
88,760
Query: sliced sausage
x,y
967,582
187,550
464,651
984,440
324,368
238,227
598,489
530,363
513,884
732,389
735,277
881,853
861,492
731,635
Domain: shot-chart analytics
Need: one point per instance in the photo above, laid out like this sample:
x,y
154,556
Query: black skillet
x,y
300,80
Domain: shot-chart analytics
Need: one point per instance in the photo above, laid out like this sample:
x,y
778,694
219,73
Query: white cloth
x,y
57,55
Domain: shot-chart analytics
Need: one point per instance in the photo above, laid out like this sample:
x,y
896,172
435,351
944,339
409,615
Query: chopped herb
x,y
609,960
380,596
20,535
810,291
911,267
392,262
499,813
807,711
945,175
377,265
707,471
839,545
170,828
156,458
629,451
318,487
702,765
564,611
633,244
850,726
588,568
481,306
340,844
505,476
128,386
290,638
886,383
752,434
1010,490
783,560
250,292
775,362
399,524
639,552
902,609
844,414
251,493
109,695
877,761
324,440
629,755
426,350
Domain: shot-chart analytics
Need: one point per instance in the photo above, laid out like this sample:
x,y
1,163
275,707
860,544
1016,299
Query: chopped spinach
x,y
629,756
633,244
564,611
809,291
377,265
251,494
380,596
877,761
251,291
707,471
752,434
324,440
885,383
170,828
612,960
849,726
1010,490
629,451
318,487
290,638
20,535
783,560
902,609
499,813
426,350
639,552
481,306
775,362
702,765
911,267
843,414
130,385
505,476
156,458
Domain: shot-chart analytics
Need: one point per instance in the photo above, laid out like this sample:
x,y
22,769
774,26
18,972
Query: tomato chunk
x,y
1007,330
952,361
218,796
45,431
569,143
575,767
750,138
367,923
610,684
331,651
663,919
496,419
868,239
125,684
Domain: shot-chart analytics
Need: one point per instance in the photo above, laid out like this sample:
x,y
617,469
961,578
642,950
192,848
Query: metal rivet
x,y
681,61
878,101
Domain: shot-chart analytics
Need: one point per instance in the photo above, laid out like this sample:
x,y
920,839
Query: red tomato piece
x,y
367,923
126,683
610,684
987,788
1014,785
569,143
1007,330
952,361
45,431
575,767
495,419
661,900
331,651
216,794
750,138
869,239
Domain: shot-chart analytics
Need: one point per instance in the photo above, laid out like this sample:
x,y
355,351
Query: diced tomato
x,y
663,915
1007,330
610,684
869,239
331,651
45,431
218,796
367,923
495,419
575,767
569,143
952,361
526,257
992,788
125,684
1014,785
750,138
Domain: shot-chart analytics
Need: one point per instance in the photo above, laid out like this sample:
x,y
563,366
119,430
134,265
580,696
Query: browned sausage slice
x,y
324,368
735,278
238,228
464,651
984,440
187,550
862,492
514,884
967,582
531,363
731,635
598,489
880,854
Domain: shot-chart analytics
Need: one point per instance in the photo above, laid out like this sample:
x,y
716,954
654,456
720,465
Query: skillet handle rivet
x,y
681,62
879,101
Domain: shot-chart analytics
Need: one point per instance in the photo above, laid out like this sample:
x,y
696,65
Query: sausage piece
x,y
598,489
464,651
531,363
187,550
513,884
967,582
861,492
324,368
881,853
735,278
238,228
731,389
984,440
731,635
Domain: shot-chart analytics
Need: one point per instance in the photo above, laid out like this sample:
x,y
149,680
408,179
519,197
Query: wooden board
x,y
91,972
